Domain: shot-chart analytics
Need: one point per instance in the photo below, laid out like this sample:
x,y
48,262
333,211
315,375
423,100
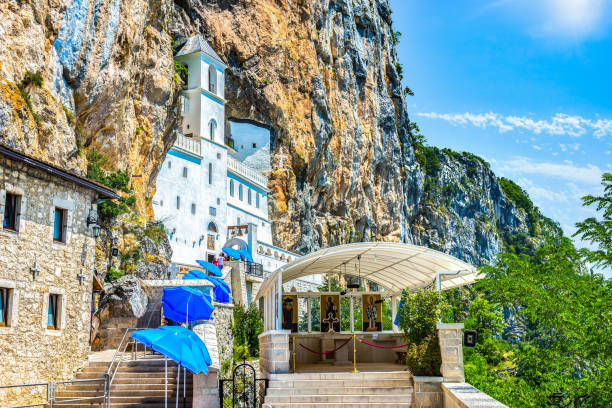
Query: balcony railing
x,y
252,268
191,144
247,172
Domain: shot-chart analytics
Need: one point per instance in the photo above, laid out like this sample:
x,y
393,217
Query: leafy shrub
x,y
424,358
155,231
69,114
248,325
32,78
420,314
182,70
113,274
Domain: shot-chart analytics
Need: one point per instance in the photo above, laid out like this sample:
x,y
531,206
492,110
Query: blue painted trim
x,y
247,213
212,61
184,156
247,183
213,98
279,249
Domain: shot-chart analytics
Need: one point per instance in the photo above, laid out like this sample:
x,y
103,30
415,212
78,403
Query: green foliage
x,y
408,91
247,326
69,114
113,274
400,70
156,231
182,71
396,37
420,314
599,231
424,358
115,179
32,78
521,199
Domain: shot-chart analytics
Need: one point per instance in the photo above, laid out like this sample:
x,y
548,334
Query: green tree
x,y
599,231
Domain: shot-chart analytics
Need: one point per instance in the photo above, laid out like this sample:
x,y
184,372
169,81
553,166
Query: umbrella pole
x,y
184,386
166,384
178,384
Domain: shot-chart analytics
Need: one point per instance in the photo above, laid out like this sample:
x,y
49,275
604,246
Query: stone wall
x,y
223,318
31,352
463,395
450,336
428,392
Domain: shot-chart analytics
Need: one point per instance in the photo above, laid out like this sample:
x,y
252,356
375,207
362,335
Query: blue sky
x,y
525,86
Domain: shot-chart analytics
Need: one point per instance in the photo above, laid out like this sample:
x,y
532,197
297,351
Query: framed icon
x,y
330,313
290,313
371,306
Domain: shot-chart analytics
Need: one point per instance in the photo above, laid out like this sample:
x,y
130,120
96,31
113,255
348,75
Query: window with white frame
x,y
12,210
231,188
193,208
240,192
185,172
257,200
60,225
212,127
185,104
178,202
249,195
210,173
54,305
6,305
212,79
212,211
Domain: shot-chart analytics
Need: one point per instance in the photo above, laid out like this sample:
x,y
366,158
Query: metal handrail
x,y
63,401
47,402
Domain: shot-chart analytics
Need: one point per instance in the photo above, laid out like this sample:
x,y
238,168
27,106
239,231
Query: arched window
x,y
212,79
210,173
212,128
232,188
212,227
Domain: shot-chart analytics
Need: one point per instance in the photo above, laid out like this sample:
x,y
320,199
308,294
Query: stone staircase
x,y
341,390
138,383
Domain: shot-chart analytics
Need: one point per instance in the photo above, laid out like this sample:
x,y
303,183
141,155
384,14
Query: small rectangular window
x,y
254,145
232,188
185,172
212,211
5,304
169,164
257,200
193,208
249,195
11,211
59,225
238,221
210,177
178,202
185,104
240,192
53,312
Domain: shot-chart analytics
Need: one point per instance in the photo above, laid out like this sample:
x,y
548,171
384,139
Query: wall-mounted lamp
x,y
92,220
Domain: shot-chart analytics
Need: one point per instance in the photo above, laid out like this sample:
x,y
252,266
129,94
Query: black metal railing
x,y
253,268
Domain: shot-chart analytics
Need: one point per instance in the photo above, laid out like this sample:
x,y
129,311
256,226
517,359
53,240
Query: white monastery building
x,y
207,195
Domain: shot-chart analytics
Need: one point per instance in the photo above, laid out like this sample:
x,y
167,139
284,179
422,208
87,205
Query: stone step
x,y
341,391
171,403
155,399
341,405
277,399
140,391
134,369
118,386
403,382
341,376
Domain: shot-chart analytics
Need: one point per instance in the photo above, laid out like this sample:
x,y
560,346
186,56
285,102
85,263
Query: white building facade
x,y
206,195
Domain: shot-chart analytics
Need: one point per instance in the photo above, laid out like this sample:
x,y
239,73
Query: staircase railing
x,y
51,397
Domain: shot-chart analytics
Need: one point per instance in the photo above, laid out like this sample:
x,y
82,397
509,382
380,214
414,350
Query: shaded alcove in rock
x,y
252,143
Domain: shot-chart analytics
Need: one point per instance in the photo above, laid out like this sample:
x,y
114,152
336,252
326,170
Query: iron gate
x,y
244,389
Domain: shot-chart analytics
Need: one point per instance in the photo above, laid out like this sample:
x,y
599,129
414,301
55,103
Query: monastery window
x,y
6,304
169,164
212,126
212,211
237,220
240,192
193,208
218,201
232,188
212,227
185,104
254,145
212,79
178,202
161,203
210,177
260,250
257,200
249,195
12,207
53,312
185,172
60,225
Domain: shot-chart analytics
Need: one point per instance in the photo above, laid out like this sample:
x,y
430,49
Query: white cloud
x,y
590,174
559,124
538,148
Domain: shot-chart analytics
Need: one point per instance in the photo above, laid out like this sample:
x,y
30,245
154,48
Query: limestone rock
x,y
123,297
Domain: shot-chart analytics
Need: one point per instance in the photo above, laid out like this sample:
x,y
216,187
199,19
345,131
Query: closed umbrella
x,y
233,253
246,255
179,344
185,304
210,267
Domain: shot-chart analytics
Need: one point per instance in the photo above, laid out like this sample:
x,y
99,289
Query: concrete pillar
x,y
394,313
205,386
252,238
450,336
274,352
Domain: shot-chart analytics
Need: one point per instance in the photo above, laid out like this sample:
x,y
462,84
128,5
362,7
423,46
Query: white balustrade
x,y
191,144
247,172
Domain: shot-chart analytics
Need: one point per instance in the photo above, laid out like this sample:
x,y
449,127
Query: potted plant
x,y
418,316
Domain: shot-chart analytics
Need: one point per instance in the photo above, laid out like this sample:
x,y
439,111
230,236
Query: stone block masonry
x,y
451,348
30,351
274,352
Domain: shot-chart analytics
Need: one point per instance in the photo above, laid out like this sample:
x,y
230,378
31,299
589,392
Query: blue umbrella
x,y
221,290
245,254
396,322
210,267
185,304
179,344
233,253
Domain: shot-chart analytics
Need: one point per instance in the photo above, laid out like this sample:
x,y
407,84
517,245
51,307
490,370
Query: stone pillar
x,y
274,352
450,336
206,386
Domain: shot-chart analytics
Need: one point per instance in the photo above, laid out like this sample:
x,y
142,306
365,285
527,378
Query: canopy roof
x,y
394,266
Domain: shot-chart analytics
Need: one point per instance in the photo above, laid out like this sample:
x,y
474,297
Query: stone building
x,y
46,253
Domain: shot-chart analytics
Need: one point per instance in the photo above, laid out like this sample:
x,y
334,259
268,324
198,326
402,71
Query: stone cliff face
x,y
107,83
323,75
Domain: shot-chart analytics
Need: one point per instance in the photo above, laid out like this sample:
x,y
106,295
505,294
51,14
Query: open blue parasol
x,y
233,253
245,254
210,267
185,304
221,290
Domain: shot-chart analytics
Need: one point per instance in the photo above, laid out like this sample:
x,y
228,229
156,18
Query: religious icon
x,y
372,316
290,311
330,313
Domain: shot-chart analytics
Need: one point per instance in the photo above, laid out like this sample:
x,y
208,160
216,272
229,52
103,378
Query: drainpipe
x,y
439,274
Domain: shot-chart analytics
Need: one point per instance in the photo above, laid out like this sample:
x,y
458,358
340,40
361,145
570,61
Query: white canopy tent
x,y
394,266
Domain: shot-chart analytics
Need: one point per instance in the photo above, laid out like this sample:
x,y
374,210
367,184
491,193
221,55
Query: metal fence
x,y
252,268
